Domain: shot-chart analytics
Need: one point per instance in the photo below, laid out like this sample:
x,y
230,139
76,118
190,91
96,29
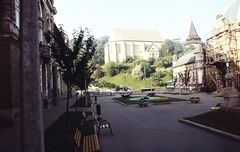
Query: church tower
x,y
193,37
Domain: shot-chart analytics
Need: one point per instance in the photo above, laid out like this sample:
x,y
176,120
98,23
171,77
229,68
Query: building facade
x,y
223,48
188,70
10,56
138,44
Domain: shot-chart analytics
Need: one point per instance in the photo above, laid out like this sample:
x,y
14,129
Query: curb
x,y
120,102
219,132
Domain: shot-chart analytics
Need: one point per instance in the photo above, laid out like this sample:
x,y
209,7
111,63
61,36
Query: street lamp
x,y
227,65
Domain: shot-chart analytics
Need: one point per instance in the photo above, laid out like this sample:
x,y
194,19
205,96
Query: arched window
x,y
40,22
17,13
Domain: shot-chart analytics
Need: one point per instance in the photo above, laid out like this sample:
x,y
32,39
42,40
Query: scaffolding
x,y
222,55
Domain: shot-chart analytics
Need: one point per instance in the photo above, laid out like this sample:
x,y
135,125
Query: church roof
x,y
135,35
186,59
193,37
233,12
189,57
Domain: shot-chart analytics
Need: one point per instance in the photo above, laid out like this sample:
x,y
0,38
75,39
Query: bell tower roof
x,y
193,37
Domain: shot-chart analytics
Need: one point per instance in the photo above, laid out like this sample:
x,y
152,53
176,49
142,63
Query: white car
x,y
169,86
125,91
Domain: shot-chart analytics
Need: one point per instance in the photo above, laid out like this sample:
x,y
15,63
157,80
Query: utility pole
x,y
31,103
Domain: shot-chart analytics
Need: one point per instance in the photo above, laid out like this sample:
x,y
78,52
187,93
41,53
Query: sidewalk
x,y
52,114
10,138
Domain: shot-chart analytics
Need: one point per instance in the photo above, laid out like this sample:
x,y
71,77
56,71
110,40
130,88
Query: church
x,y
188,70
138,44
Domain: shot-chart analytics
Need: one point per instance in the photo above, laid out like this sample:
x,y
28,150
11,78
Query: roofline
x,y
135,41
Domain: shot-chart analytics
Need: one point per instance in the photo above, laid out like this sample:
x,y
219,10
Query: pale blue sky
x,y
171,18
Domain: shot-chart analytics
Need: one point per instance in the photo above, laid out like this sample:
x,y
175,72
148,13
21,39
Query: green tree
x,y
170,47
157,78
111,69
71,60
137,72
129,59
146,68
99,54
167,48
98,73
158,63
167,61
83,66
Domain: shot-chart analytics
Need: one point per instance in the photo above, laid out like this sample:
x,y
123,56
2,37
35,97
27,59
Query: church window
x,y
17,13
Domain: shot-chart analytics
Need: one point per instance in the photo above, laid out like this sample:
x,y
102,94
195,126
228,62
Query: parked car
x,y
125,90
169,85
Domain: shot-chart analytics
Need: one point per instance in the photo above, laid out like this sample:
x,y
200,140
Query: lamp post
x,y
227,65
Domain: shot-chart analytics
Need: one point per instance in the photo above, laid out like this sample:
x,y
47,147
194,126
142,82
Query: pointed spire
x,y
193,37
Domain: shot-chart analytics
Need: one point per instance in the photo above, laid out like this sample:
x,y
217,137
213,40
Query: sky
x,y
171,18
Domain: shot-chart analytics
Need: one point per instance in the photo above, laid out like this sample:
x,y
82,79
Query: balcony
x,y
45,52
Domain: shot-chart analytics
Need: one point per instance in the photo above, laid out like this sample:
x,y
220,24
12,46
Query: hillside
x,y
127,80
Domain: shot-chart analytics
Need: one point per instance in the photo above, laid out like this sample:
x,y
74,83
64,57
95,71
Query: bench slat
x,y
77,138
96,142
91,143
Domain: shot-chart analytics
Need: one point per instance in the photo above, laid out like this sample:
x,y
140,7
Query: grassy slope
x,y
128,80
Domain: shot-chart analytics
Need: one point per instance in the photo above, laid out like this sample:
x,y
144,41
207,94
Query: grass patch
x,y
222,120
130,102
58,139
127,80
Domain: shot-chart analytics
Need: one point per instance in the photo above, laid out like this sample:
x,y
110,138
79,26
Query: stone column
x,y
55,89
31,107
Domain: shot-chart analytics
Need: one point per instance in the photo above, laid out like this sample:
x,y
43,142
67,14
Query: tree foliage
x,y
98,73
112,68
98,58
74,61
129,59
157,78
137,72
170,47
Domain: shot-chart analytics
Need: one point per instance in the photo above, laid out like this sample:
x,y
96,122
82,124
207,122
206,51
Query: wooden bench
x,y
87,118
103,124
90,142
77,139
217,107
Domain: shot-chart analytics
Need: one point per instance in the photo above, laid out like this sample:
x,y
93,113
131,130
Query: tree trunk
x,y
68,96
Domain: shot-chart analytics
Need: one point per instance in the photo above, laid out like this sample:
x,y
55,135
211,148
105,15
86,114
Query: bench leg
x,y
98,131
110,129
